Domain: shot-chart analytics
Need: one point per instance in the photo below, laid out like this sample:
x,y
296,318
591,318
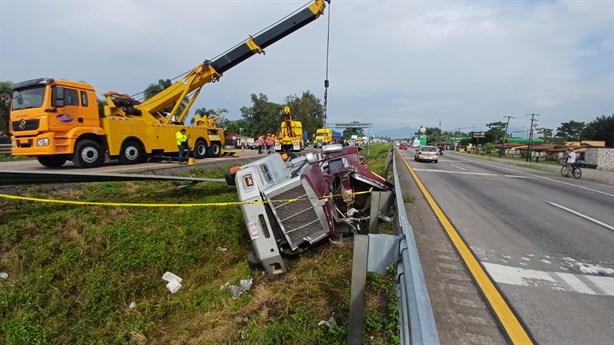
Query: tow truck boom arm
x,y
282,29
210,71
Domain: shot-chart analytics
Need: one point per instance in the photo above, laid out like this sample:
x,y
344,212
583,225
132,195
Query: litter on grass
x,y
236,291
174,281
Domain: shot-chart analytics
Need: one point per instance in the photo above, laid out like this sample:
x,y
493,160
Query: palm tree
x,y
6,95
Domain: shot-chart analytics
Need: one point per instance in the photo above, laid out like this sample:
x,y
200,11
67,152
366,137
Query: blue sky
x,y
392,63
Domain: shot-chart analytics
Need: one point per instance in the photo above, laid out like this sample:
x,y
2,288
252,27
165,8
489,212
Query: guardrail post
x,y
357,290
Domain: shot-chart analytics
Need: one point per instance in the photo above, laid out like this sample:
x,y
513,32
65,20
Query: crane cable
x,y
326,83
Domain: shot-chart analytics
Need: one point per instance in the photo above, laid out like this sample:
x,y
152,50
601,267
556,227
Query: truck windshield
x,y
28,98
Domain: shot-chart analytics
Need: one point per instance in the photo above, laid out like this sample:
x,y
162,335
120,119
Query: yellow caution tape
x,y
97,203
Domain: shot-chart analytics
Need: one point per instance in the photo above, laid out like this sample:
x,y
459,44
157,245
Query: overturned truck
x,y
293,203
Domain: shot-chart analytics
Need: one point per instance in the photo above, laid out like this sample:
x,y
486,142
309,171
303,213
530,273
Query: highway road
x,y
113,166
545,240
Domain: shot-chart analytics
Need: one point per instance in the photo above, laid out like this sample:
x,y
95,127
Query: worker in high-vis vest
x,y
182,145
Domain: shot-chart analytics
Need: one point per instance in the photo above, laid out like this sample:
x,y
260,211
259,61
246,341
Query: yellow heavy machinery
x,y
58,120
326,136
290,136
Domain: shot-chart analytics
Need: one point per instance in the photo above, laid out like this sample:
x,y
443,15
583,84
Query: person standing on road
x,y
270,143
570,161
260,143
182,145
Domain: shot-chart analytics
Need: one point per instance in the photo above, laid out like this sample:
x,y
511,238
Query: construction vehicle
x,y
57,120
290,136
290,205
326,136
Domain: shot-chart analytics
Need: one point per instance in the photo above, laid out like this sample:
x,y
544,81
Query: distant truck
x,y
326,136
290,135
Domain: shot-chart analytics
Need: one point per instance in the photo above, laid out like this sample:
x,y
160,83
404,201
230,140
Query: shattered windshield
x,y
28,98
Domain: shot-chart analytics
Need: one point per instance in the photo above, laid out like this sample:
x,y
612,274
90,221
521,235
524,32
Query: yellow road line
x,y
515,330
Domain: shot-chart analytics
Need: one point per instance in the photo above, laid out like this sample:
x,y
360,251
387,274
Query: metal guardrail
x,y
417,322
5,149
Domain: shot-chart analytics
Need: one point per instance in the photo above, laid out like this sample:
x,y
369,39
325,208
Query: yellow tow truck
x,y
58,120
290,136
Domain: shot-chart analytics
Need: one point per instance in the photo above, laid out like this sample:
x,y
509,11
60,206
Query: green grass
x,y
7,158
75,270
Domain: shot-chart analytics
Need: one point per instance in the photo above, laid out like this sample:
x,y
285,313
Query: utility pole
x,y
530,136
505,134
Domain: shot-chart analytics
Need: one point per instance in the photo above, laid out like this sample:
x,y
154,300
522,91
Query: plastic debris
x,y
331,323
174,281
384,218
132,305
236,291
4,275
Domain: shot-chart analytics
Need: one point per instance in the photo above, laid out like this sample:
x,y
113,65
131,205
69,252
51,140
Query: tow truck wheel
x,y
200,149
52,161
88,154
215,150
132,152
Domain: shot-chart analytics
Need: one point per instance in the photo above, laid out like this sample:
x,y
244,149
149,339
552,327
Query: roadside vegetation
x,y
83,274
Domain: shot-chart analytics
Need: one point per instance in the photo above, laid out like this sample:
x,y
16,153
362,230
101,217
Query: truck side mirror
x,y
311,157
332,148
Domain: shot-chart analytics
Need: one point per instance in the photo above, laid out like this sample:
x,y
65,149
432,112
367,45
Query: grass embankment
x,y
75,270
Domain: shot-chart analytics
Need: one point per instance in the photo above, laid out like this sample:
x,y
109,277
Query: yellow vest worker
x,y
181,137
182,145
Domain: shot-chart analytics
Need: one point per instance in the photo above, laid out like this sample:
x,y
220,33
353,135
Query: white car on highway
x,y
426,153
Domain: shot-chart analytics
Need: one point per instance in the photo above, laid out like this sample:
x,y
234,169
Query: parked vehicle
x,y
325,136
427,153
290,135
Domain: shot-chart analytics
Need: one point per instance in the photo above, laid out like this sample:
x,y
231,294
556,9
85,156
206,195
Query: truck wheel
x,y
215,150
88,154
132,152
200,149
52,161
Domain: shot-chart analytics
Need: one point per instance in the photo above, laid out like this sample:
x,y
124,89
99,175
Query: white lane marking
x,y
465,172
542,177
607,226
457,167
455,172
585,284
516,176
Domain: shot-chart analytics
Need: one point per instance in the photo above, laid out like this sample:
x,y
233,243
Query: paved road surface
x,y
113,166
546,240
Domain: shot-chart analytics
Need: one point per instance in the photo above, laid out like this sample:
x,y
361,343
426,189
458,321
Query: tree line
x,y
600,129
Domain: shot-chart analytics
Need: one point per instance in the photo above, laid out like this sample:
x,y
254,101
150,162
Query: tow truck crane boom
x,y
211,71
